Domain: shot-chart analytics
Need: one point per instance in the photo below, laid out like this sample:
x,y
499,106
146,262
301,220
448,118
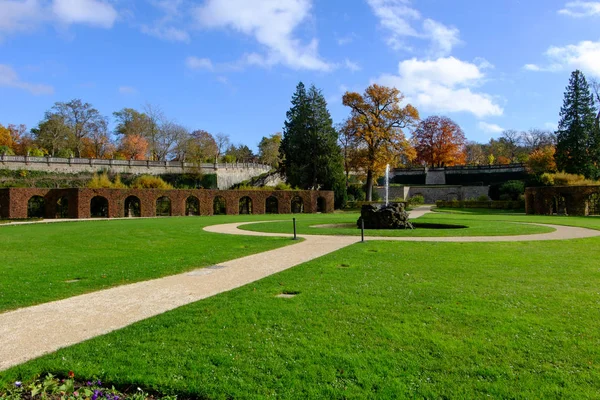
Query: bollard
x,y
362,230
294,219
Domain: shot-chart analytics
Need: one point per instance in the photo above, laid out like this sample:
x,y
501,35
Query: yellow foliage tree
x,y
378,120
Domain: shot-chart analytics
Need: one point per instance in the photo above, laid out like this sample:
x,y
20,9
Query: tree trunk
x,y
369,185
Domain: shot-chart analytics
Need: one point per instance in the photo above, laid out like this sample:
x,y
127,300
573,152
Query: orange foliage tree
x,y
133,147
440,142
6,140
377,121
542,160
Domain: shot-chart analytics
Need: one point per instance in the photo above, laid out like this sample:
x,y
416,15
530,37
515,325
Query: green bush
x,y
357,192
511,190
565,179
416,200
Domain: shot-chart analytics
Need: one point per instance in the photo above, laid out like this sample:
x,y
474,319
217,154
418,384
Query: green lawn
x,y
375,320
474,227
38,261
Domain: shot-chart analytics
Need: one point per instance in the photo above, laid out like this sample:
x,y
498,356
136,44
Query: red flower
x,y
71,374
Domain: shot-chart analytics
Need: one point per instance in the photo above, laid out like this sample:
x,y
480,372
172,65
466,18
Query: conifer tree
x,y
577,139
311,156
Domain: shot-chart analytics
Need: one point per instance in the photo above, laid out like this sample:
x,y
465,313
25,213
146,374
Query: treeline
x,y
77,129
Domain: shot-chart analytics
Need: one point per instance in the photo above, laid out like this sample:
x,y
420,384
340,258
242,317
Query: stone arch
x,y
192,206
321,204
245,205
297,205
219,206
271,205
133,207
163,206
36,207
62,208
594,204
99,207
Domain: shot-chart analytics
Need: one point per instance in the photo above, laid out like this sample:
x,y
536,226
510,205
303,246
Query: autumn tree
x,y
268,149
6,141
353,156
309,149
53,135
378,120
535,139
439,142
201,147
541,160
577,137
475,153
222,141
81,119
133,147
131,122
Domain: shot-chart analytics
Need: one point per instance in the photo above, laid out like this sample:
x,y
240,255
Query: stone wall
x,y
227,174
459,175
14,201
569,200
434,193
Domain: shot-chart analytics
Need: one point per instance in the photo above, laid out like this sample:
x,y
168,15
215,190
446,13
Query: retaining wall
x,y
432,194
227,174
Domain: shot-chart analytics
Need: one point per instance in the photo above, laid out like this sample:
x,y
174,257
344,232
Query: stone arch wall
x,y
540,200
13,201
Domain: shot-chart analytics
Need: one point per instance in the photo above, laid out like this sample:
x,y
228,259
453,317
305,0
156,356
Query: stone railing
x,y
6,159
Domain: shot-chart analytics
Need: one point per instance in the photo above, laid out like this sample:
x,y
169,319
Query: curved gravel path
x,y
30,332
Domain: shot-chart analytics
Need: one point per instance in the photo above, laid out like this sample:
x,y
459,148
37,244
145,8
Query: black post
x,y
295,238
362,230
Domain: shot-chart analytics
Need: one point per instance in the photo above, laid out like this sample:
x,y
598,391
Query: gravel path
x,y
30,332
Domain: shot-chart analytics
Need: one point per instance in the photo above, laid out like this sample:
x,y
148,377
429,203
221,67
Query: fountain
x,y
389,216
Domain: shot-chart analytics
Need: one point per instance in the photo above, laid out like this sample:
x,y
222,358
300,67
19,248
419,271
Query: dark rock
x,y
392,216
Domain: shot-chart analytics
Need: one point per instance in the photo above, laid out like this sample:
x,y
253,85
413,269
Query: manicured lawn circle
x,y
429,225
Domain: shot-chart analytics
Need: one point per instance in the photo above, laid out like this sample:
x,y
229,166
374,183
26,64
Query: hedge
x,y
493,204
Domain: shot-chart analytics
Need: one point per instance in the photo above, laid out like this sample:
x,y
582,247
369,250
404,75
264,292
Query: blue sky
x,y
231,66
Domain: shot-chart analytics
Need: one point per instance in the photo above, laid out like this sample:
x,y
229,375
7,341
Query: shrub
x,y
565,179
511,190
283,186
150,182
416,200
117,184
357,192
101,181
483,197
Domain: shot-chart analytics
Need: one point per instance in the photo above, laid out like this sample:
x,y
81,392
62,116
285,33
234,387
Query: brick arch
x,y
540,200
13,201
163,206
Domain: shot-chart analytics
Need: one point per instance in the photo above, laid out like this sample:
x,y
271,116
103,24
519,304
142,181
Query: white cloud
x,y
351,65
166,33
127,90
24,16
272,23
92,12
490,128
9,78
164,27
579,9
398,18
584,56
199,63
443,85
17,16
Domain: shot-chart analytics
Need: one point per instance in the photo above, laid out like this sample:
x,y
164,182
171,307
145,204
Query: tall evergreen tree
x,y
311,156
577,139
